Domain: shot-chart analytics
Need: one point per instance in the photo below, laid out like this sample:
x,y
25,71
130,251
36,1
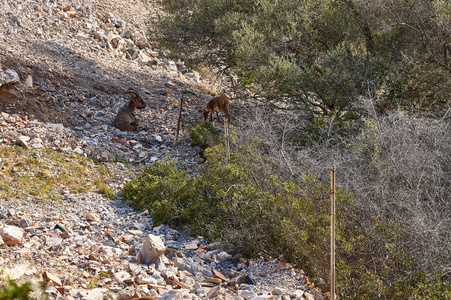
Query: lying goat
x,y
125,119
217,104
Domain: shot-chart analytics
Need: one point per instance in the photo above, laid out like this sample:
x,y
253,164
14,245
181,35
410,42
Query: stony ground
x,y
64,66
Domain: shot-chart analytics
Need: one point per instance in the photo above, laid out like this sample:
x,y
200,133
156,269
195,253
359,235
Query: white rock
x,y
152,248
12,235
25,138
122,275
193,75
209,254
263,297
215,291
171,66
92,217
246,294
18,271
79,151
224,256
189,265
22,141
8,77
36,141
29,81
309,296
56,126
192,245
53,241
298,293
174,295
88,294
278,291
135,232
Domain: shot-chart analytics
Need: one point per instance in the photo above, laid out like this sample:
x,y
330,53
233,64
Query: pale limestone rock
x,y
215,291
279,291
178,294
53,241
189,265
309,296
8,77
122,276
52,278
18,271
246,294
12,235
88,294
298,293
263,297
92,217
152,248
29,81
224,256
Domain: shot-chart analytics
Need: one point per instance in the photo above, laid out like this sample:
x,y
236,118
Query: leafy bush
x,y
169,195
320,54
240,195
204,135
237,198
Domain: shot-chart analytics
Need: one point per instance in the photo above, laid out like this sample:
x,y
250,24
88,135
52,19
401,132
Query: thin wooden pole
x,y
178,120
180,114
226,134
332,235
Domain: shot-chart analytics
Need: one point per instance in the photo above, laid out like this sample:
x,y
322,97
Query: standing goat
x,y
217,104
125,119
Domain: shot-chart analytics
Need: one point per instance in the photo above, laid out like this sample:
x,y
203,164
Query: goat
x,y
217,104
125,119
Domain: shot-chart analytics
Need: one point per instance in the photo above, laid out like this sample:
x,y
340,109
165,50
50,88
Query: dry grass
x,y
45,175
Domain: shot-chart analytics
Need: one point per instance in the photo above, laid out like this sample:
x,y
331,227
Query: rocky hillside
x,y
64,66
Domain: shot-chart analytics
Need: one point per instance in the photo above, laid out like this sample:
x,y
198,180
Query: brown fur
x,y
217,104
125,119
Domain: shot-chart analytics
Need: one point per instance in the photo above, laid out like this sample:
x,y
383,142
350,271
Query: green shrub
x,y
109,193
431,288
328,51
14,291
167,193
238,196
204,135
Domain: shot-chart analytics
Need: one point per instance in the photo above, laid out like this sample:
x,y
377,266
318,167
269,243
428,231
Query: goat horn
x,y
132,91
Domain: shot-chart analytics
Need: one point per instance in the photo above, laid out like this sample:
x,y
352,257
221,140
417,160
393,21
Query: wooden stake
x,y
333,282
178,121
226,134
180,114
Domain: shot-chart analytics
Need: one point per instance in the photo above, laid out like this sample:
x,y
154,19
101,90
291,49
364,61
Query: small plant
x,y
120,160
103,274
204,135
14,291
103,169
165,191
109,193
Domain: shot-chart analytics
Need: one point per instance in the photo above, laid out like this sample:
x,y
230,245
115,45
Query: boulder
x,y
8,77
12,235
152,248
